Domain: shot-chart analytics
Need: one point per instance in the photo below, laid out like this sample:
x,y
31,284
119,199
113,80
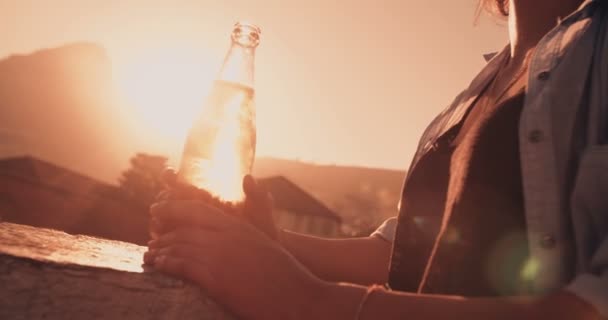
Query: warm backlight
x,y
166,88
221,174
219,149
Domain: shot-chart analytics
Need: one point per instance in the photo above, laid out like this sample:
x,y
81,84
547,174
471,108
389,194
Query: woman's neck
x,y
530,20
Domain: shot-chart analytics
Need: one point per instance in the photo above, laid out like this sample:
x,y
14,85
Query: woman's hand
x,y
257,208
237,264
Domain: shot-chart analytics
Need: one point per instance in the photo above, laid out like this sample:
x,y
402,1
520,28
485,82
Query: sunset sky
x,y
345,82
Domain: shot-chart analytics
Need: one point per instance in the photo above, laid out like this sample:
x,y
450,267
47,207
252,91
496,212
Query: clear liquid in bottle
x,y
220,147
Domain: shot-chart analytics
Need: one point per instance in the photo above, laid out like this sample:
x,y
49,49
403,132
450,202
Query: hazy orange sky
x,y
345,82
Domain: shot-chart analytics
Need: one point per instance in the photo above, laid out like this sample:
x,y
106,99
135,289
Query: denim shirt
x,y
563,134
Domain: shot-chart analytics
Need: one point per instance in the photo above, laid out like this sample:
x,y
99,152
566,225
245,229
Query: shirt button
x,y
548,242
544,75
535,136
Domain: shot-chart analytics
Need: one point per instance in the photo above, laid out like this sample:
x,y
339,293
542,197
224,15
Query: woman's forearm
x,y
341,301
357,260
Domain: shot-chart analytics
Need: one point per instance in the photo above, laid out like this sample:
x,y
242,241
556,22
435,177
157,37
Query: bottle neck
x,y
238,65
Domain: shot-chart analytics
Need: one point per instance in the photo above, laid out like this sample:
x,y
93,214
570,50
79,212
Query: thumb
x,y
258,207
251,187
255,193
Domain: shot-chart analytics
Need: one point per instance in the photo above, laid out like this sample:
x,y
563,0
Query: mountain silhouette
x,y
60,105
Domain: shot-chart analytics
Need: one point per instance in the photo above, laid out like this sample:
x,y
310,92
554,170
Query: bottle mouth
x,y
246,34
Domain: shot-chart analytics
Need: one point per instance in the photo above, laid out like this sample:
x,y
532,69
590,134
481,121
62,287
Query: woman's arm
x,y
341,301
256,278
356,260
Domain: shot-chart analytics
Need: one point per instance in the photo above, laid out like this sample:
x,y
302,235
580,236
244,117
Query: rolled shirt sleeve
x,y
593,287
387,230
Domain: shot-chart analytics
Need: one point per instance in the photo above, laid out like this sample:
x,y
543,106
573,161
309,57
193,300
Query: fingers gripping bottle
x,y
220,147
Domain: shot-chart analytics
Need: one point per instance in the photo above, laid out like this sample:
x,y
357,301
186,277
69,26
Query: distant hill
x,y
60,105
362,196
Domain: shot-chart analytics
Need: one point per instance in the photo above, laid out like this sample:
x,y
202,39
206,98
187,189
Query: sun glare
x,y
166,88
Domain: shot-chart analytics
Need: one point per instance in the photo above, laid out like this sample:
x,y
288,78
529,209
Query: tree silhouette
x,y
143,180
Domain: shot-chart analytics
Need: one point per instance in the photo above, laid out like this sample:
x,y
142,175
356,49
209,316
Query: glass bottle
x,y
220,147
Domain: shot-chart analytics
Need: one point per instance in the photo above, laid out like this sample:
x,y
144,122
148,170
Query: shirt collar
x,y
586,2
488,56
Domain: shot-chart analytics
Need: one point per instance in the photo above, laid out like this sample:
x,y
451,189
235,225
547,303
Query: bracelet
x,y
364,299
